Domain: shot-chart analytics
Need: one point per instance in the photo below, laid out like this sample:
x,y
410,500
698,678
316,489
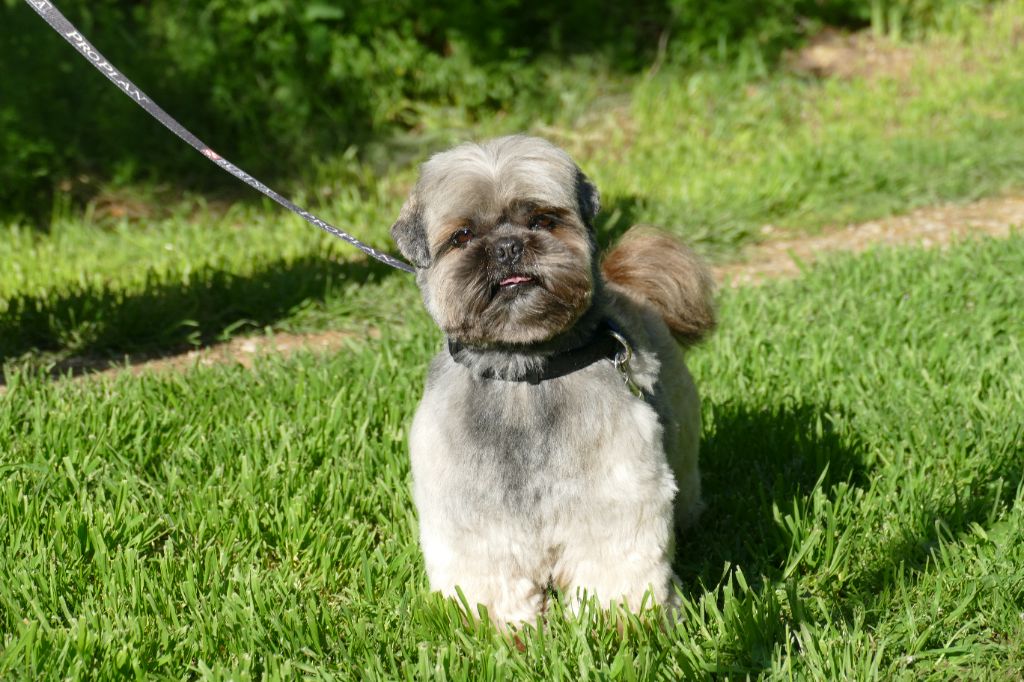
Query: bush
x,y
270,83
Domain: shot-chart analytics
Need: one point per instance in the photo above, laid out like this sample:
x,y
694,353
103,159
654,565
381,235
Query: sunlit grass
x,y
862,468
863,442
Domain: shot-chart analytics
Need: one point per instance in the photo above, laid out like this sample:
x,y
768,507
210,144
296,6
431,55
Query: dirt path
x,y
242,350
775,257
935,226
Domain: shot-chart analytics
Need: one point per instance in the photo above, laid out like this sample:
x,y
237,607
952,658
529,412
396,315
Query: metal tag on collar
x,y
621,362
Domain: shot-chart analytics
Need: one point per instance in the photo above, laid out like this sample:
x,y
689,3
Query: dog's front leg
x,y
487,575
622,560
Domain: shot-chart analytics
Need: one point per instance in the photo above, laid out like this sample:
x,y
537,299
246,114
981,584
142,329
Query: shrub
x,y
270,82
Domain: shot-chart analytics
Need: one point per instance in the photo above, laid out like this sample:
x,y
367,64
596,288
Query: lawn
x,y
862,458
863,434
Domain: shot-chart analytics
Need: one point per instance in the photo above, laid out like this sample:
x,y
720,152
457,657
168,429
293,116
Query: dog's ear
x,y
410,233
588,197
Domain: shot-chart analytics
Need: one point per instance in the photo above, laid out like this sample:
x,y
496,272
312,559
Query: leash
x,y
67,30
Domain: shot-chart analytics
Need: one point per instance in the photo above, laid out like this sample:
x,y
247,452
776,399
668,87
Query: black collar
x,y
606,343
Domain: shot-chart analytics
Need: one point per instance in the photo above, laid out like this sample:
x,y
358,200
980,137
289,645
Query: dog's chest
x,y
530,447
515,432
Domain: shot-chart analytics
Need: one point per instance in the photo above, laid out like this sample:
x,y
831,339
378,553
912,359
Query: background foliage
x,y
270,83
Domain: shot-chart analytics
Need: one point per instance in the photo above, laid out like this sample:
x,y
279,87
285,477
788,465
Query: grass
x,y
862,458
711,154
862,448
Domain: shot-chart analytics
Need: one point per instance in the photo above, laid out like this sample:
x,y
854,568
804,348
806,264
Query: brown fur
x,y
493,190
463,282
656,270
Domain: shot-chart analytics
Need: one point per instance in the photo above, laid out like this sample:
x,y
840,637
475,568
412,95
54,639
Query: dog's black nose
x,y
507,250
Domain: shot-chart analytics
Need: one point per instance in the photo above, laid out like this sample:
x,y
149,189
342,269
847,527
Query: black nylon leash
x,y
67,30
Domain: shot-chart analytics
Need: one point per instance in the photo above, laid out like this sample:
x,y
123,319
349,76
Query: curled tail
x,y
656,269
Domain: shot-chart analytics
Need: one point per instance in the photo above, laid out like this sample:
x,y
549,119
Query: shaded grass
x,y
209,305
179,284
862,457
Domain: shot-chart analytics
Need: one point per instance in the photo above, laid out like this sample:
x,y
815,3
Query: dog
x,y
555,448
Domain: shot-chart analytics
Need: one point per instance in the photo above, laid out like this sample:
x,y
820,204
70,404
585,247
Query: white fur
x,y
602,520
571,483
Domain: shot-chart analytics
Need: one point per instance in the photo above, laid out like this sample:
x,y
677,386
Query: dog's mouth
x,y
512,286
513,281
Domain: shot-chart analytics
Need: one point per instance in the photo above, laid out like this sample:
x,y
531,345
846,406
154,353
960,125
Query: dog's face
x,y
500,234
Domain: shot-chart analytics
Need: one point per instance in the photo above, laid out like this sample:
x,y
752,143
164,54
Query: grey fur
x,y
410,234
573,481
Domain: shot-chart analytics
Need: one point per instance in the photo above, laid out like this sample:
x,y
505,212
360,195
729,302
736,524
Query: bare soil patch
x,y
834,54
241,351
935,226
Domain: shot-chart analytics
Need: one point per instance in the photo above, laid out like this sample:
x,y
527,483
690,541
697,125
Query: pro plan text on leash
x,y
67,30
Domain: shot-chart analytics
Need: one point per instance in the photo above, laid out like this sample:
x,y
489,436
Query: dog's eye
x,y
462,237
542,222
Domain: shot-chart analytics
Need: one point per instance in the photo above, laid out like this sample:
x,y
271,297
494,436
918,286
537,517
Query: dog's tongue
x,y
514,279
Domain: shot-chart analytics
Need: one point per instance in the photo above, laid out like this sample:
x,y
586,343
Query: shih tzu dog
x,y
555,447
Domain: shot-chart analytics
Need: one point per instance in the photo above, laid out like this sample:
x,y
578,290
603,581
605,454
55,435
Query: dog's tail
x,y
658,270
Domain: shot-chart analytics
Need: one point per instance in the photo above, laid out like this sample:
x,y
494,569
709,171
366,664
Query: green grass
x,y
862,455
711,154
863,444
